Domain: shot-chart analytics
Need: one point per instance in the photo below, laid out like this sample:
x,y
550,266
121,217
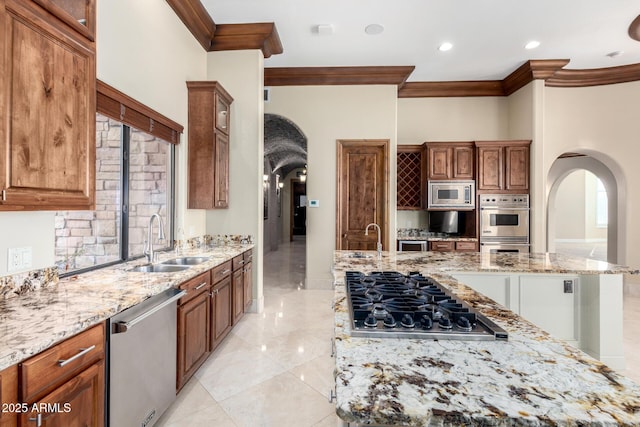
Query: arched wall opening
x,y
613,182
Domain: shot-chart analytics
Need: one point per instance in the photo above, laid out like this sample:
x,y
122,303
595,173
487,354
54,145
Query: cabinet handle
x,y
226,272
200,286
37,419
333,348
82,352
332,395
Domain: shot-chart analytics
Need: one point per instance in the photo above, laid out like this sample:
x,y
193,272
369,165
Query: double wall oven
x,y
504,223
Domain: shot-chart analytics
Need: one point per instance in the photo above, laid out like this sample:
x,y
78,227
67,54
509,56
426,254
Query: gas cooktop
x,y
391,304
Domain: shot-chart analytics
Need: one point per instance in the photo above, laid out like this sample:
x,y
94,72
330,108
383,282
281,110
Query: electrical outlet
x,y
19,258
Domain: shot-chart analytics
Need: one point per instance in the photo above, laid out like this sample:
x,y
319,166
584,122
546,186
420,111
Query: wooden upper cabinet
x,y
411,177
48,89
503,166
209,123
77,15
450,160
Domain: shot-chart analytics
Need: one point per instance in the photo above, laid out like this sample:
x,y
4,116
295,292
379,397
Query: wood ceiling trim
x,y
595,77
306,76
196,18
634,29
451,89
263,36
538,69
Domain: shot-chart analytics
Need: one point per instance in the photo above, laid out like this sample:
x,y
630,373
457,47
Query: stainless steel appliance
x,y
451,194
390,304
142,361
504,223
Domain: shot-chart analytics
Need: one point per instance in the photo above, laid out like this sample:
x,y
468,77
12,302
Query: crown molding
x,y
634,29
538,69
306,76
197,20
263,36
451,89
595,76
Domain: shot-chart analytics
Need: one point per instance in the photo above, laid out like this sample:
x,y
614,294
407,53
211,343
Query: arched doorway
x,y
584,168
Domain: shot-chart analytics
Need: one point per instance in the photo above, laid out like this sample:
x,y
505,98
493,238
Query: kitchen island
x,y
531,379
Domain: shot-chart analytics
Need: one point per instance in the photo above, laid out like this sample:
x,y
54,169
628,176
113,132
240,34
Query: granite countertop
x,y
532,379
37,320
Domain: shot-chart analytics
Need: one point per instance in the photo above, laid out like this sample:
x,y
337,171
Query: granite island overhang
x,y
531,379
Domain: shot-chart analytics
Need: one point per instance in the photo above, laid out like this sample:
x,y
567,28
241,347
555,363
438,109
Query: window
x,y
602,215
134,180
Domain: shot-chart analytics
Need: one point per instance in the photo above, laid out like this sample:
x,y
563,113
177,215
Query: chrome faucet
x,y
148,251
379,245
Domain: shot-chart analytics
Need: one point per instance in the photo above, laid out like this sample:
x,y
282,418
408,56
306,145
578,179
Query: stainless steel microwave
x,y
451,194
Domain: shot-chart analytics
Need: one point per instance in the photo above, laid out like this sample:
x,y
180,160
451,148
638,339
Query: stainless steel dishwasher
x,y
142,361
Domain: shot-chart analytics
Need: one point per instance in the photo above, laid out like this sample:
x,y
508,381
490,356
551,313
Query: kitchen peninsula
x,y
530,379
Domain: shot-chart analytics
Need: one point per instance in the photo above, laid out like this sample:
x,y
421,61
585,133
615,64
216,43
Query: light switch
x,y
314,203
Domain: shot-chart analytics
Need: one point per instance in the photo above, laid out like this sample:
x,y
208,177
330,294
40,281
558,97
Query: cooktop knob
x,y
445,323
426,321
464,324
371,321
407,321
389,321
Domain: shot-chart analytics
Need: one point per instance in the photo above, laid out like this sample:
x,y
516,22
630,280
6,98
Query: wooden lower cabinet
x,y
9,396
77,402
444,246
193,336
237,281
467,246
453,246
248,283
65,384
221,319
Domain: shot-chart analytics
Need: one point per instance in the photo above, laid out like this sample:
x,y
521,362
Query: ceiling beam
x,y
537,69
595,77
197,20
307,76
451,89
634,29
262,36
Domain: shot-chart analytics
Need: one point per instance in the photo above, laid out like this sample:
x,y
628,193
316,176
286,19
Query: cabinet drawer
x,y
248,256
466,246
221,271
238,262
195,286
441,246
59,363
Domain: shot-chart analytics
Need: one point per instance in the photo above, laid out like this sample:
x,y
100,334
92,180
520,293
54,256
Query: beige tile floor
x,y
275,369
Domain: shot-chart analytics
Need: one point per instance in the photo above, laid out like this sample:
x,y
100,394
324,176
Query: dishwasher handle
x,y
124,326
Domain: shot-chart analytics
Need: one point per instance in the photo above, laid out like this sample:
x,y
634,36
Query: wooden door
x,y
47,154
362,193
463,160
517,168
490,168
238,294
193,336
439,159
221,311
9,395
248,284
80,402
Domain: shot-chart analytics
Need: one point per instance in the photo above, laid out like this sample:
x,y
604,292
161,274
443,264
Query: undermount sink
x,y
187,260
159,268
360,255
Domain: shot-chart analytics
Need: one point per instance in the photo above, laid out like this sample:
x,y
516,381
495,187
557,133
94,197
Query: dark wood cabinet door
x,y
517,168
248,285
238,294
439,160
193,336
442,246
463,159
490,168
78,402
9,395
411,177
47,154
221,315
221,174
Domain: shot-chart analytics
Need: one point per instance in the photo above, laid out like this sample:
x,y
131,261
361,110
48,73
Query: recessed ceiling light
x,y
615,54
532,44
445,47
373,29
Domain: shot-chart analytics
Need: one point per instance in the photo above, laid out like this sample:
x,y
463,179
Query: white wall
x,y
145,51
603,122
326,114
241,73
